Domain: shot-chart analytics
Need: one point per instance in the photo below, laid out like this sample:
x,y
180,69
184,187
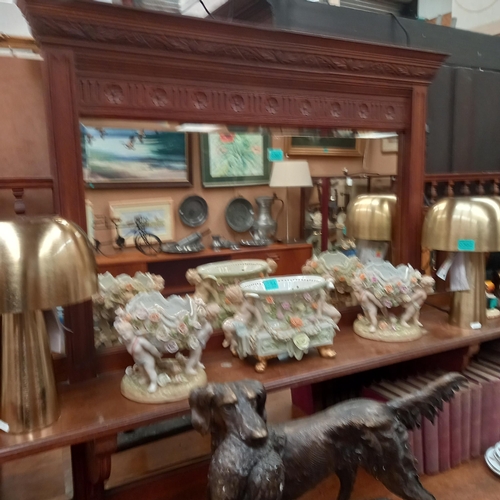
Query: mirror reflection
x,y
165,199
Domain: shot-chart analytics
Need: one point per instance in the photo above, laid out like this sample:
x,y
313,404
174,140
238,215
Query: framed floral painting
x,y
234,159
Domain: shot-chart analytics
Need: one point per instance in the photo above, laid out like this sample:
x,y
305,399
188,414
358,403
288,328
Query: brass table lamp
x,y
369,219
44,262
469,225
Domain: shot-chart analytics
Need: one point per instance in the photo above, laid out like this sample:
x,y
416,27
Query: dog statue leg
x,y
347,479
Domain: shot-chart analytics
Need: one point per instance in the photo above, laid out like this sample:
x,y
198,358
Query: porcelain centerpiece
x,y
380,286
211,281
150,327
113,294
339,268
284,316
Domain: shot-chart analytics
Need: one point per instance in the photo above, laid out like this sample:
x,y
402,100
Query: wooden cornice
x,y
94,25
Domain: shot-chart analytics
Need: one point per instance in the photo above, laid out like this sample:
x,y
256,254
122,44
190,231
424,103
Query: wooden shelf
x,y
133,256
97,409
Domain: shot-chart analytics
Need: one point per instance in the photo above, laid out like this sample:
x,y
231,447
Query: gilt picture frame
x,y
323,146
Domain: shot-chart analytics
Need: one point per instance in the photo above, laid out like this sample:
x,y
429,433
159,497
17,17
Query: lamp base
x,y
470,306
29,395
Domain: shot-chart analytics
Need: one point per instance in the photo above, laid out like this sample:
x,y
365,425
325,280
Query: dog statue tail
x,y
428,401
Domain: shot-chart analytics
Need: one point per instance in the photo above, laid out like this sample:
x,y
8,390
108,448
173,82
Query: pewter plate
x,y
239,215
193,211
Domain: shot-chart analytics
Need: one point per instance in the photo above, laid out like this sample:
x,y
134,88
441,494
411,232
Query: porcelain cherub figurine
x,y
152,327
144,353
368,302
204,288
247,313
381,286
415,301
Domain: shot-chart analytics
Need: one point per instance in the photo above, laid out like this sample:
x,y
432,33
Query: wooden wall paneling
x,y
463,121
440,112
69,196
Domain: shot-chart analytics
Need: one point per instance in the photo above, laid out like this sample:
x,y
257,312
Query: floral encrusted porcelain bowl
x,y
114,293
151,327
278,317
341,269
380,287
211,280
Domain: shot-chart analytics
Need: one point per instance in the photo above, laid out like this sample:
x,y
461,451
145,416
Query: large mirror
x,y
164,198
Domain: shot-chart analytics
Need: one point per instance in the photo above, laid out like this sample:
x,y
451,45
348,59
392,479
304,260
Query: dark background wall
x,y
464,99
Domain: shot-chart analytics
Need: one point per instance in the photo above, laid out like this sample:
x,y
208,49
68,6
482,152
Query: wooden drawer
x,y
290,259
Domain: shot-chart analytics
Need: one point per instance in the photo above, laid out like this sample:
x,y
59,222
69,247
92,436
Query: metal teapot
x,y
264,228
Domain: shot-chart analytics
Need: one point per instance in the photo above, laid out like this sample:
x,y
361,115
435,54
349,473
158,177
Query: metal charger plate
x,y
193,211
240,215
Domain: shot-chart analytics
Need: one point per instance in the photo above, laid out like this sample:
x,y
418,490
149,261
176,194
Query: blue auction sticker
x,y
466,245
275,154
271,284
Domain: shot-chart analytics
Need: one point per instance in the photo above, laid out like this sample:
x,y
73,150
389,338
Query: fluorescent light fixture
x,y
200,127
370,134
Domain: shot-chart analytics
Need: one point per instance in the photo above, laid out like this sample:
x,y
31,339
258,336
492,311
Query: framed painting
x,y
234,159
157,214
323,146
128,157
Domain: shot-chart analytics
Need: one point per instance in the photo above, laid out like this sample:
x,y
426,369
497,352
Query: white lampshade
x,y
291,173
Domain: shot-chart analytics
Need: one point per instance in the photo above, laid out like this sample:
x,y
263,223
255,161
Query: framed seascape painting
x,y
129,157
157,215
234,159
323,146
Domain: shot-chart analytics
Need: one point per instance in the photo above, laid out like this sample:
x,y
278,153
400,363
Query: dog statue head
x,y
236,408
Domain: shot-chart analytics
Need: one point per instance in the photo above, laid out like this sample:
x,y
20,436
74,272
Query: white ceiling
x,y
13,23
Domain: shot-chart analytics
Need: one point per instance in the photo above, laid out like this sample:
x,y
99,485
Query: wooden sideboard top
x,y
132,255
96,408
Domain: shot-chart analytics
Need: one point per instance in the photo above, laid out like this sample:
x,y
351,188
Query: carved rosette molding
x,y
278,107
184,45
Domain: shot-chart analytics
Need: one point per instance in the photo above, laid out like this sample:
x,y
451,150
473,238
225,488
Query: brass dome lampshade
x,y
370,220
470,225
45,262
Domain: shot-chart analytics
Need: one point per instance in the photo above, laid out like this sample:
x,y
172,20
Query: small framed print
x,y
158,214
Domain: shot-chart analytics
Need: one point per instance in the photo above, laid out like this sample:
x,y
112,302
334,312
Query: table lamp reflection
x,y
290,173
45,262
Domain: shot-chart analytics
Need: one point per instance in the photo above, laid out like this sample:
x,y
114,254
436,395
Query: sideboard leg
x,y
91,465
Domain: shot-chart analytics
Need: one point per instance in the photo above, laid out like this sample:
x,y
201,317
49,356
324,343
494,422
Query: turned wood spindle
x,y
480,188
434,192
450,190
19,205
466,188
496,190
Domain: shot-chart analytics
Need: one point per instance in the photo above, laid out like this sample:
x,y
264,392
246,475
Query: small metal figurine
x,y
190,244
251,460
218,243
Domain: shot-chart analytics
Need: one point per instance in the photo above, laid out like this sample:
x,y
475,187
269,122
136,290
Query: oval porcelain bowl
x,y
284,285
234,268
336,259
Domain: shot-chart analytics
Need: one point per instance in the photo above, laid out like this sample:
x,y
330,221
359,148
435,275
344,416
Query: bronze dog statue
x,y
253,461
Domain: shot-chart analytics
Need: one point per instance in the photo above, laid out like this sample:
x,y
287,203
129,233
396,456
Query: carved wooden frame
x,y
104,61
